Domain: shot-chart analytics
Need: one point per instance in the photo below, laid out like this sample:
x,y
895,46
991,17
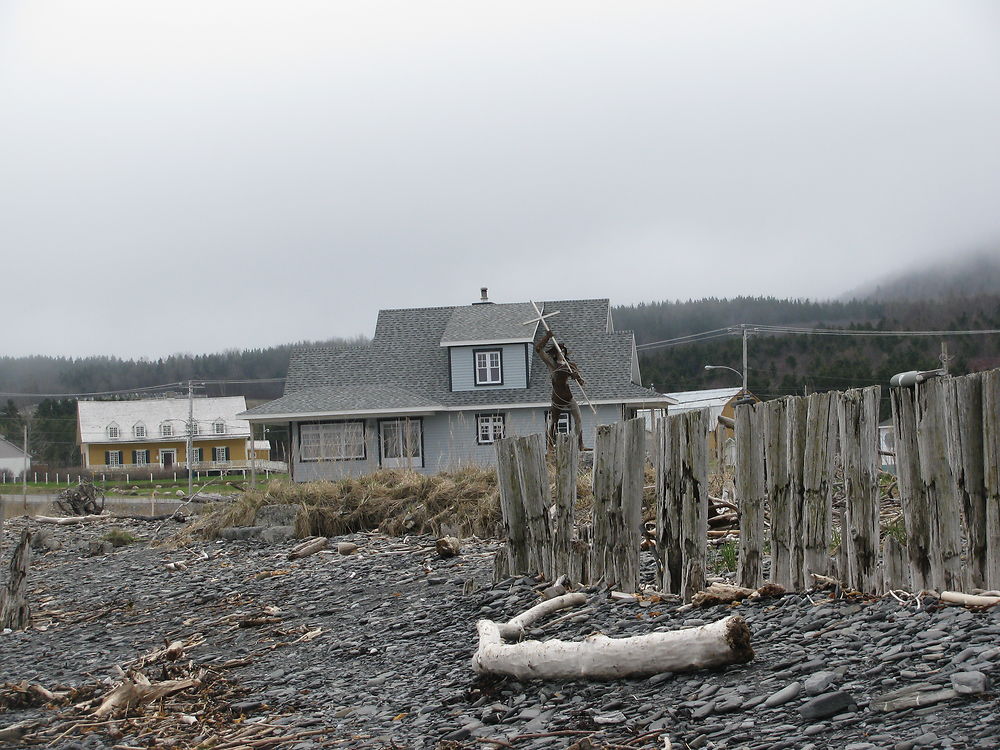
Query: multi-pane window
x,y
219,427
166,429
139,430
489,367
332,441
565,424
113,432
114,458
196,455
489,428
401,443
220,453
140,458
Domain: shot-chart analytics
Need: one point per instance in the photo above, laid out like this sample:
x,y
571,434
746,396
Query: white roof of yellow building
x,y
95,417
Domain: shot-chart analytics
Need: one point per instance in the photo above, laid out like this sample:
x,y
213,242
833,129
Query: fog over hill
x,y
962,276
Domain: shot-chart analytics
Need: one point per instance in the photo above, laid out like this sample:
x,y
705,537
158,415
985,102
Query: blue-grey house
x,y
437,386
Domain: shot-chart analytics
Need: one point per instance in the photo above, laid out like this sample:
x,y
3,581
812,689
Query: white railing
x,y
275,466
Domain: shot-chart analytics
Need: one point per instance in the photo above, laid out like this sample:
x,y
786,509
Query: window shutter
x,y
107,458
225,453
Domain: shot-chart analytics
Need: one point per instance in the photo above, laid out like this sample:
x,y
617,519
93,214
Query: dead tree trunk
x,y
15,613
515,559
797,416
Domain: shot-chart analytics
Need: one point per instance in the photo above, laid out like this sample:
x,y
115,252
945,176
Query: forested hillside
x,y
786,363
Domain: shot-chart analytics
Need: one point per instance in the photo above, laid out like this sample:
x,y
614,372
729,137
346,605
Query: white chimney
x,y
483,297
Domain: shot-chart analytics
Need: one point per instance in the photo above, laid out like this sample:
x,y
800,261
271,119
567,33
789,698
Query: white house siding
x,y
14,465
514,361
449,441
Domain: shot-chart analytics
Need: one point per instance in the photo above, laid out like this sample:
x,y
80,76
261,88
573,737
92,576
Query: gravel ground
x,y
372,650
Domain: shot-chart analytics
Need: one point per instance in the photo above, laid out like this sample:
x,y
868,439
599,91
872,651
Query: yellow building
x,y
153,433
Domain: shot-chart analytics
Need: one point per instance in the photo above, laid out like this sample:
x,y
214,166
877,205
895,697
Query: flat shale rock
x,y
375,649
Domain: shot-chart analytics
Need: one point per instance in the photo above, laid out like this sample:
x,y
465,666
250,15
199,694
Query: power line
x,y
125,391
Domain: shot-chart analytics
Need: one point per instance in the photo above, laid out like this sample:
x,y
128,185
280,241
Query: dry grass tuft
x,y
462,502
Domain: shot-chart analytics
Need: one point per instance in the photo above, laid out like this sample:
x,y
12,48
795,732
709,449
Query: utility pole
x,y
253,460
744,327
24,471
945,359
190,438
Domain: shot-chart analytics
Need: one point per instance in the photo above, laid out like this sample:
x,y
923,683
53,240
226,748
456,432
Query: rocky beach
x,y
368,642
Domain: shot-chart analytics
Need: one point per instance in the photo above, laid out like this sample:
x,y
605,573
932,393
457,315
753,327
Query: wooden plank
x,y
991,475
629,544
567,458
668,515
964,415
895,567
939,486
916,515
858,420
797,413
511,510
817,485
776,482
608,447
750,496
692,465
534,478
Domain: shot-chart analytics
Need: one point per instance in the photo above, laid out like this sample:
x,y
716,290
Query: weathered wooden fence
x,y
541,538
790,454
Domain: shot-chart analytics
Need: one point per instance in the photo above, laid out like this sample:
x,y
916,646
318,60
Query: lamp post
x,y
731,369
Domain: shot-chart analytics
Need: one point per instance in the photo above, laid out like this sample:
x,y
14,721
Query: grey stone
x,y
787,693
828,704
277,534
819,682
277,515
970,683
239,533
347,548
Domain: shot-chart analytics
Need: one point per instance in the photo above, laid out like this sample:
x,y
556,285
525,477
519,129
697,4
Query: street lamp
x,y
743,374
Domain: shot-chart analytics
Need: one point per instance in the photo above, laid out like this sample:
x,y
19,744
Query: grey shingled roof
x,y
489,323
407,365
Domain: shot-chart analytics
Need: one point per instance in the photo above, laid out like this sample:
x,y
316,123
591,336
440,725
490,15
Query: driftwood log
x,y
70,520
599,657
15,613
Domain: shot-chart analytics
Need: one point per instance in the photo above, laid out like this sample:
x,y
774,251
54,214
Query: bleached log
x,y
795,435
969,600
777,488
858,417
514,628
70,520
599,657
567,457
964,419
991,475
308,547
817,485
750,491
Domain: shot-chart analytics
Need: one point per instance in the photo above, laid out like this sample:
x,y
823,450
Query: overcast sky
x,y
197,175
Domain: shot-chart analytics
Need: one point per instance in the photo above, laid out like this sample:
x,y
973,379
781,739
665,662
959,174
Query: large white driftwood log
x,y
970,600
600,657
70,520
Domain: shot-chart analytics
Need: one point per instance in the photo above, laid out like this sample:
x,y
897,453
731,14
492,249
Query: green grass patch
x,y
119,537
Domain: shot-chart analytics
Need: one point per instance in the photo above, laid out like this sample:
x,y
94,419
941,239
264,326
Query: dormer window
x,y
138,430
219,427
166,429
489,366
113,432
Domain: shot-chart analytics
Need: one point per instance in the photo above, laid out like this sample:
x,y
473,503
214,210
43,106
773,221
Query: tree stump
x,y
15,613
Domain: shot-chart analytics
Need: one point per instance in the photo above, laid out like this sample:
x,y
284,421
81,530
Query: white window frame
x,y
401,443
219,427
565,424
142,457
197,455
490,427
166,429
225,452
138,430
114,458
332,441
164,452
113,432
488,365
